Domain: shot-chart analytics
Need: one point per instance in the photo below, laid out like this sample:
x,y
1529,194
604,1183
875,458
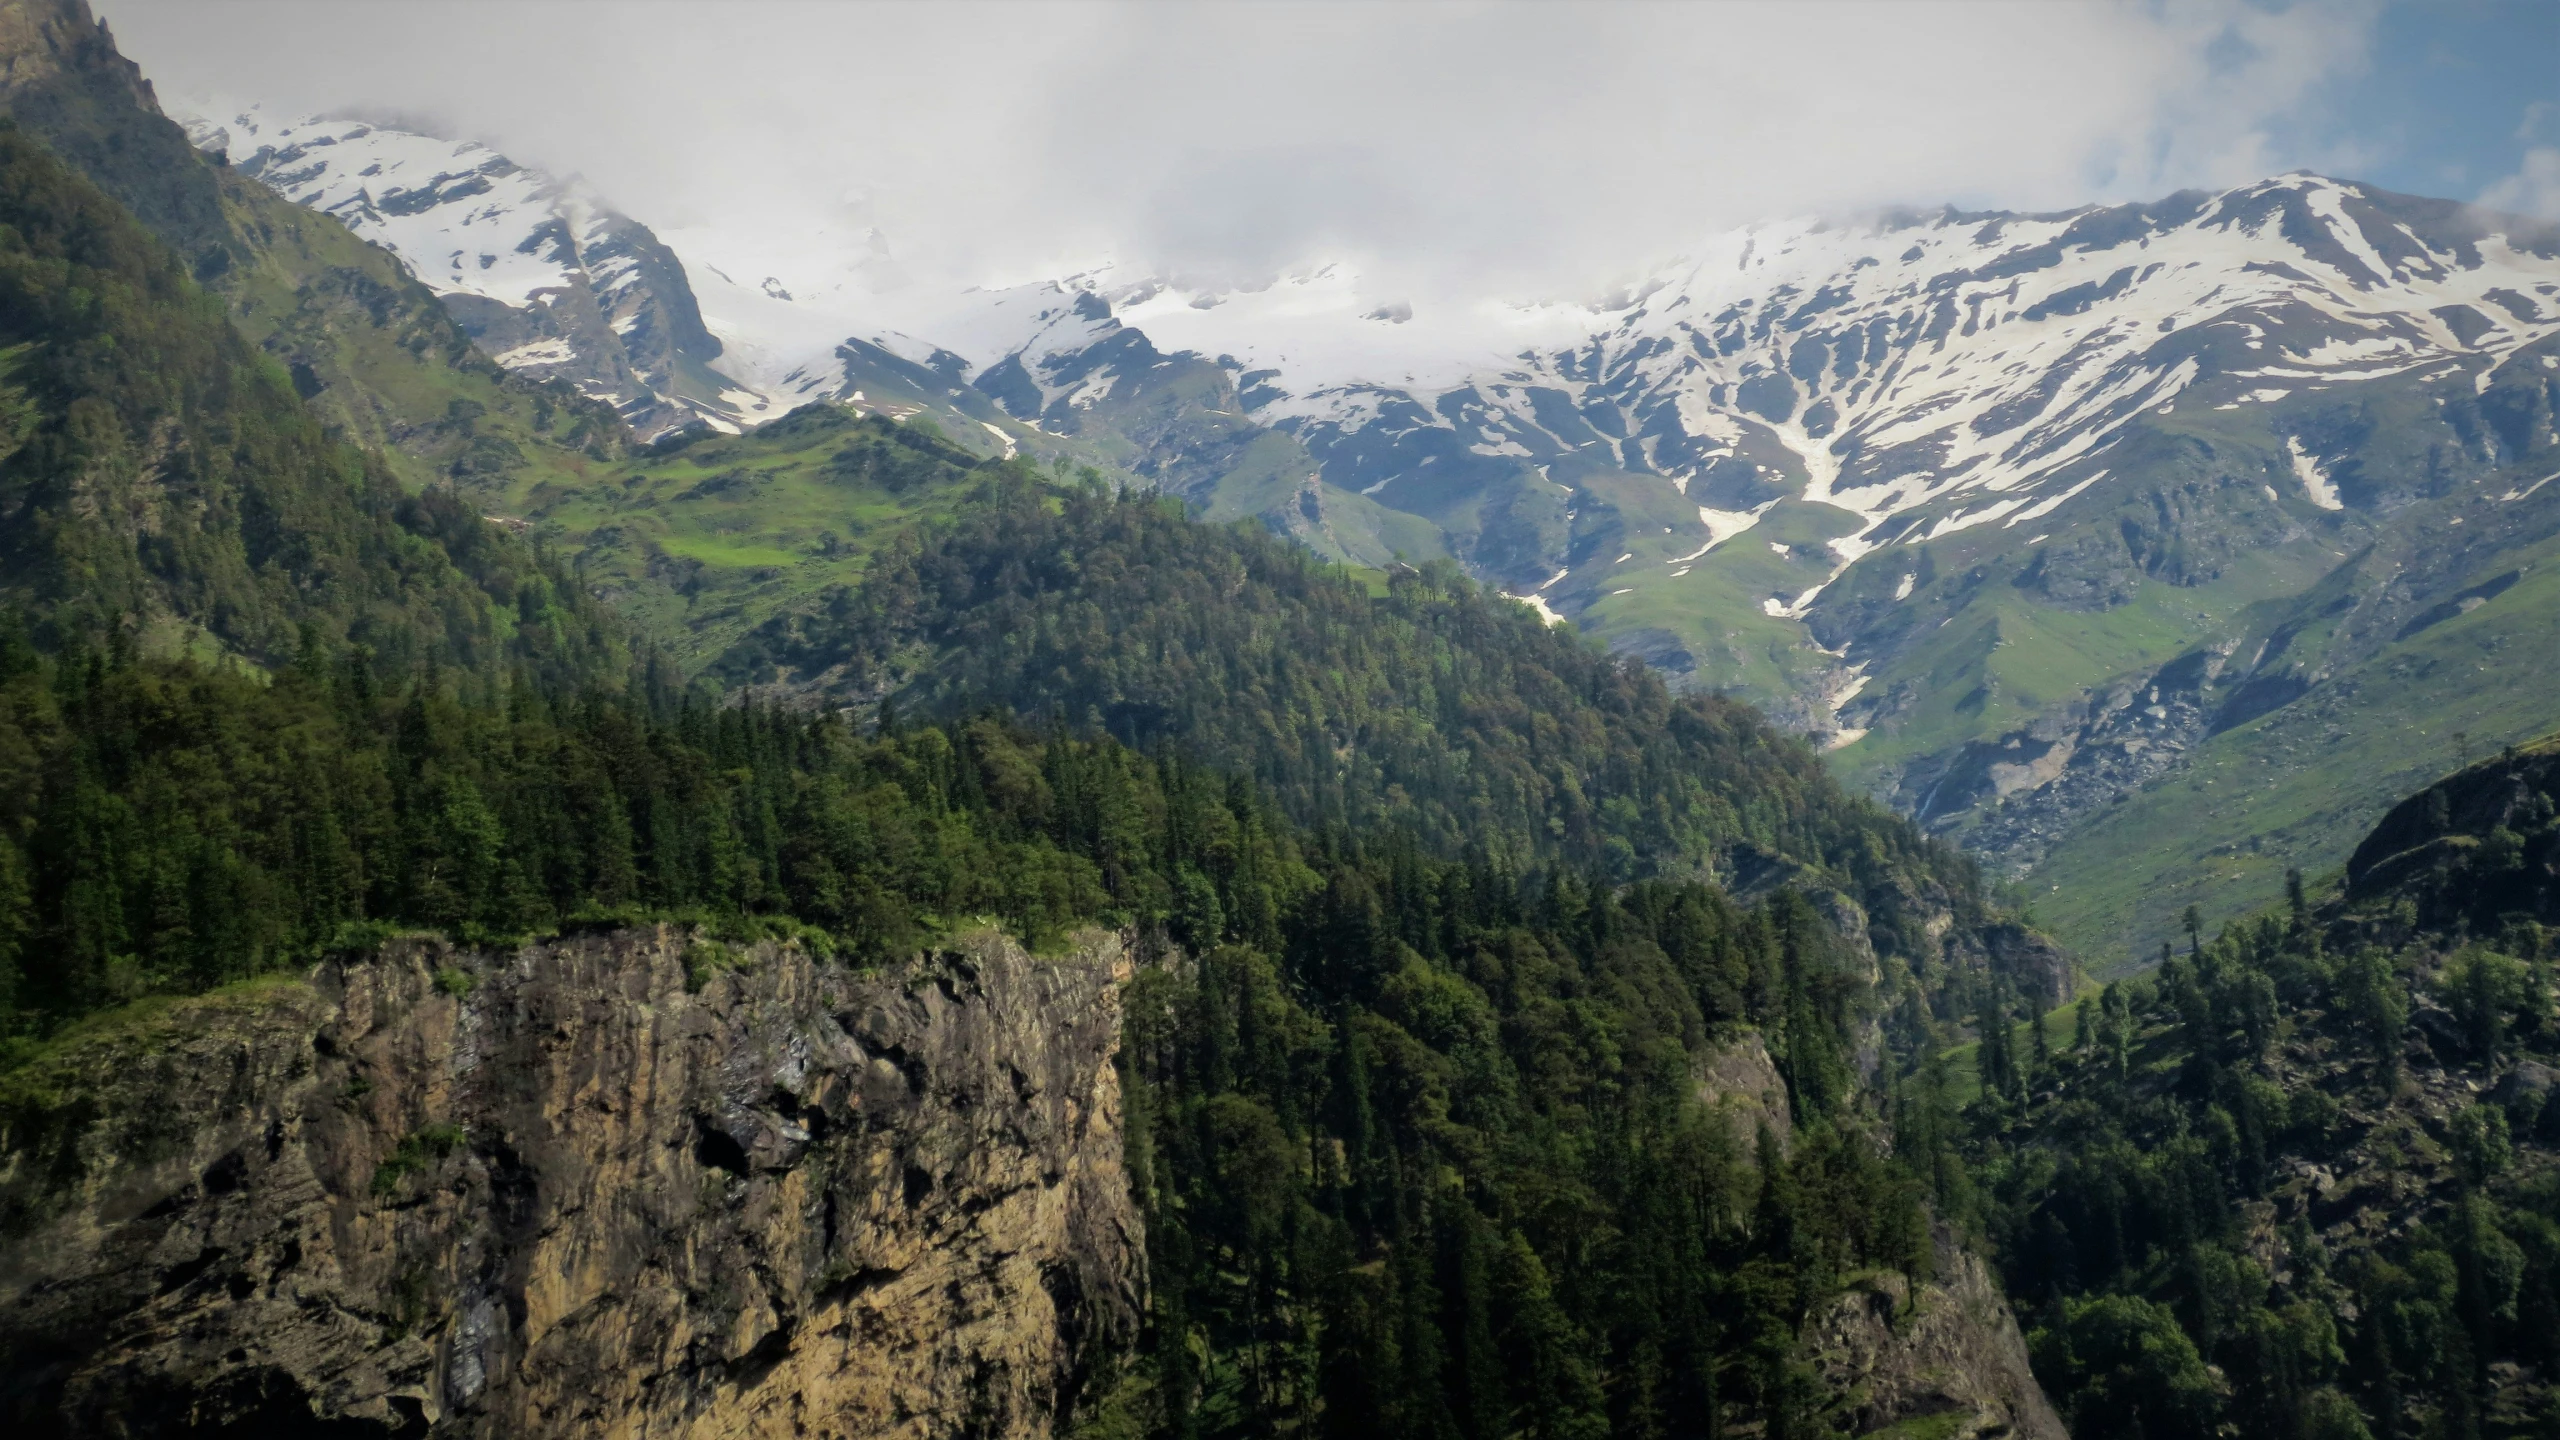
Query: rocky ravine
x,y
555,1191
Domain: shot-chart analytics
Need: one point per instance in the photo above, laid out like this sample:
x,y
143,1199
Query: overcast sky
x,y
1535,149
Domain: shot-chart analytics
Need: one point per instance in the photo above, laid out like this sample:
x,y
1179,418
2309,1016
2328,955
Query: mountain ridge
x,y
548,280
2342,369
1948,489
1153,979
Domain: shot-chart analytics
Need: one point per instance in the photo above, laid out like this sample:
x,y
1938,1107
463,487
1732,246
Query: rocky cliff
x,y
1950,1364
621,1184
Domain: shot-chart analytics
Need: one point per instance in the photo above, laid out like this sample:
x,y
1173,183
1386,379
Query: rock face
x,y
559,1192
2429,846
1739,1080
1954,1362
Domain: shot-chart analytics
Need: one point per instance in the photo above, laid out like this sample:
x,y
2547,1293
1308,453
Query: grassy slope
x,y
1998,662
1714,608
698,545
1986,655
393,371
1266,481
2001,654
2294,787
2299,787
1964,1069
1178,423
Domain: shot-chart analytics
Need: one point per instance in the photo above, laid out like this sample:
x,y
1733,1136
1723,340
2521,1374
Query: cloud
x,y
1532,148
2533,190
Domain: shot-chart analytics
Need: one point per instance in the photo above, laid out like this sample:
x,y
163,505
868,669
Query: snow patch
x,y
1723,525
1539,603
2043,508
537,352
2315,481
2529,489
1848,548
1794,609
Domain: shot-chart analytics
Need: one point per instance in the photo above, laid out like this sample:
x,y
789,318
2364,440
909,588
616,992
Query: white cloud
x,y
1531,147
2533,190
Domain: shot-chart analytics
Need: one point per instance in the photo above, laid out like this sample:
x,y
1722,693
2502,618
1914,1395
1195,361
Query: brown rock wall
x,y
555,1192
1952,1365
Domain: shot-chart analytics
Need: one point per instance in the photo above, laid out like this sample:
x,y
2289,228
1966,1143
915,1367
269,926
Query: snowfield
x,y
1923,373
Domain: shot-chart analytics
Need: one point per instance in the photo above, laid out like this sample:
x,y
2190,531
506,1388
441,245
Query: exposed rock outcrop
x,y
2042,972
2437,845
1954,1364
558,1192
1739,1080
1954,1360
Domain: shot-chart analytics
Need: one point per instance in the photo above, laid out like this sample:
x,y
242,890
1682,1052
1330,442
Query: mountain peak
x,y
551,280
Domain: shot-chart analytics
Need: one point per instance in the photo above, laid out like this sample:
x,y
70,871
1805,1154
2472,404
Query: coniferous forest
x,y
2296,1179
1415,1130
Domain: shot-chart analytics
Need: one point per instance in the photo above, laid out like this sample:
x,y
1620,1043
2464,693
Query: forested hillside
x,y
1518,1214
701,537
1437,707
1511,1045
2302,1180
371,351
161,477
1414,1104
1419,1141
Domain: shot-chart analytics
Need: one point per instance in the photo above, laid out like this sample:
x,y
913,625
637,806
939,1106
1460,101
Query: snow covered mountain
x,y
1919,374
1924,375
2036,520
1892,382
546,277
2048,524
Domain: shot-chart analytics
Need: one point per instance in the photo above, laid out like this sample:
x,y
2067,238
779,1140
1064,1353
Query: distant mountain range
x,y
2051,526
